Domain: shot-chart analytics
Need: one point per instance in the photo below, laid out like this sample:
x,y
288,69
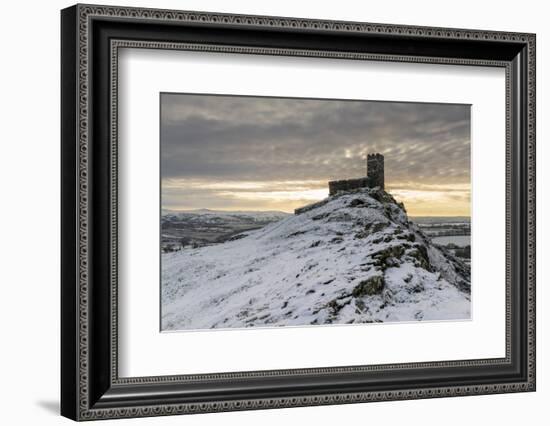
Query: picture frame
x,y
91,387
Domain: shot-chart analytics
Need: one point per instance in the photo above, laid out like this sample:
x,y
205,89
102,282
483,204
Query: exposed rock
x,y
353,257
369,287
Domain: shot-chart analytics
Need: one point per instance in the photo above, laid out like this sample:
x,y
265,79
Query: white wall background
x,y
29,213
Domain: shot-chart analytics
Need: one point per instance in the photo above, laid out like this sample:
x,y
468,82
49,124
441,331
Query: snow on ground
x,y
355,259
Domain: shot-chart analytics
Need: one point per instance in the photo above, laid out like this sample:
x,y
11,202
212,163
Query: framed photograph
x,y
263,212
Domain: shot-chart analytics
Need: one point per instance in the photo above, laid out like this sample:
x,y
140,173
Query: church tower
x,y
375,170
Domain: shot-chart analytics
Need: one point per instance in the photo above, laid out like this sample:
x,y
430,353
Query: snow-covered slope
x,y
353,259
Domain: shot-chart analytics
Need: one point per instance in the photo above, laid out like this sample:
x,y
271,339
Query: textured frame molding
x,y
116,45
82,398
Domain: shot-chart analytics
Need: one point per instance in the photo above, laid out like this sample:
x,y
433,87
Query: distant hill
x,y
353,258
204,227
260,216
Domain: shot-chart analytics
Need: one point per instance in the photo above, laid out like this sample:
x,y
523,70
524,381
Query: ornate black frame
x,y
91,37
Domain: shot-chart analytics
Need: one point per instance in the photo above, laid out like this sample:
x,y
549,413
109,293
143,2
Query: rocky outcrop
x,y
353,258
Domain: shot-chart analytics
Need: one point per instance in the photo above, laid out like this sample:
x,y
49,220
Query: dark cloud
x,y
262,139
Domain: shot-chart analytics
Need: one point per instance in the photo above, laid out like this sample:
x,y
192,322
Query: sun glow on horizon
x,y
419,200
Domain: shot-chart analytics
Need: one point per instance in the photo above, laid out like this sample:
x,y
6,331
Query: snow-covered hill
x,y
354,258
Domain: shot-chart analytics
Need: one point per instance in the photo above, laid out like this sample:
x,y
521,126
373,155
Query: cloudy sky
x,y
258,153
